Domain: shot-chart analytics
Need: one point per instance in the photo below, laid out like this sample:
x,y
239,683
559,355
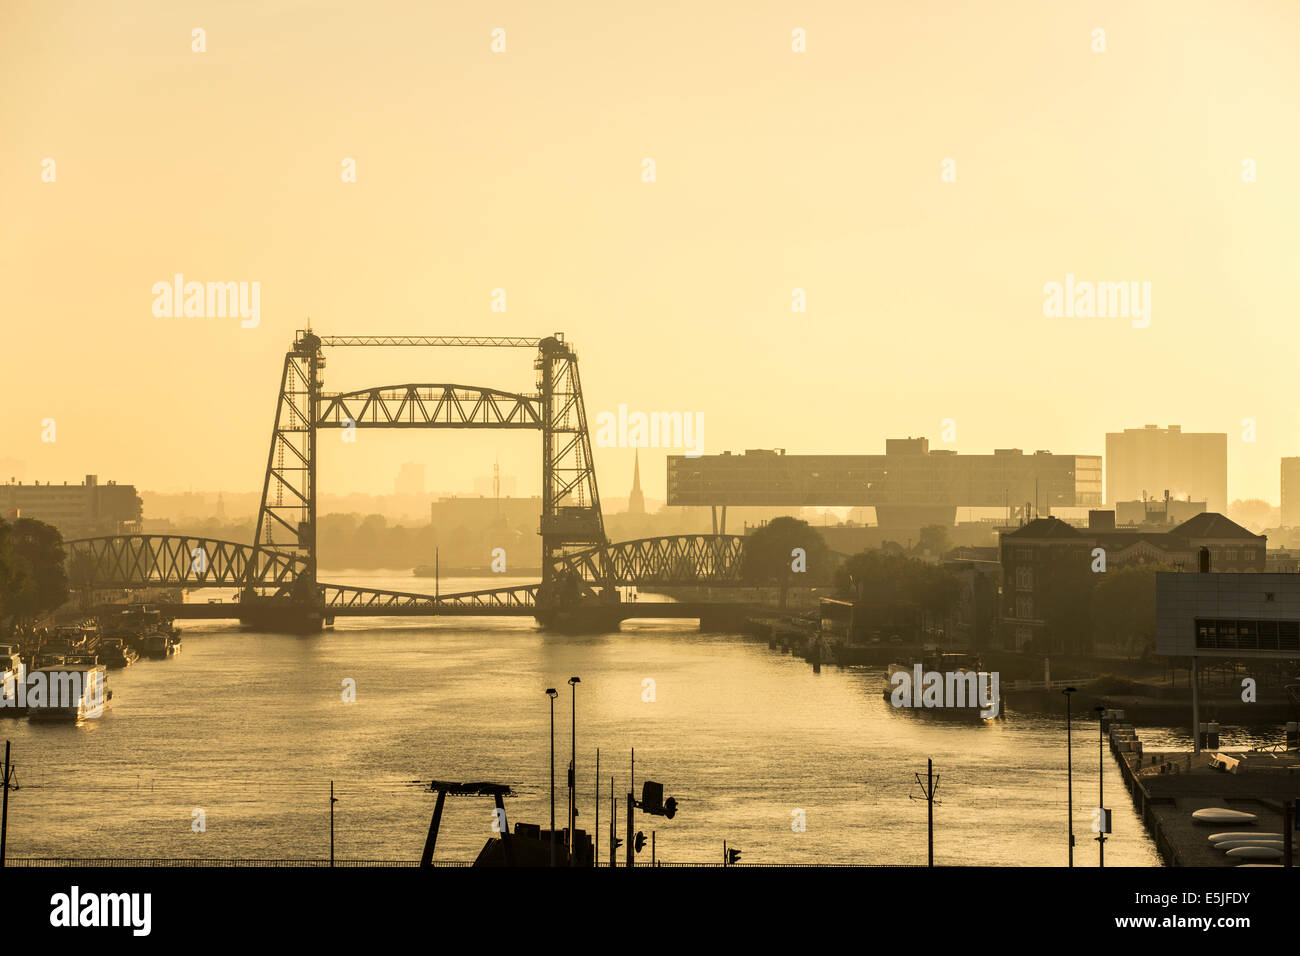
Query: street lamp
x,y
1069,771
573,765
1101,800
552,693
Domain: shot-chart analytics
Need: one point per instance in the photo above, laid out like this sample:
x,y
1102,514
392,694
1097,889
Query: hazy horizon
x,y
775,171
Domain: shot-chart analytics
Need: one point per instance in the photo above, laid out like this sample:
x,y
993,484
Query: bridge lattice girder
x,y
429,406
139,561
144,560
684,559
337,596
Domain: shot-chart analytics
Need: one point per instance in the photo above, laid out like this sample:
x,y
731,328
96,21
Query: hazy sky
x,y
523,170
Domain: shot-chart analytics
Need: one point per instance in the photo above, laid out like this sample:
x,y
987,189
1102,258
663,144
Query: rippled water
x,y
251,728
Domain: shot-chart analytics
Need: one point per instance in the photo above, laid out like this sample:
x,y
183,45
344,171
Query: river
x,y
251,728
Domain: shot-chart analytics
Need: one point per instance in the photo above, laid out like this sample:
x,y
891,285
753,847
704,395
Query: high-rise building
x,y
1146,462
636,500
1291,492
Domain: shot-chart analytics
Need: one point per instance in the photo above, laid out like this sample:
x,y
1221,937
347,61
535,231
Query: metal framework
x,y
684,559
578,562
148,560
571,514
429,406
286,521
343,596
476,341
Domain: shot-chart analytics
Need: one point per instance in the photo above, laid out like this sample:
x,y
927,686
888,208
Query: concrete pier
x,y
1167,787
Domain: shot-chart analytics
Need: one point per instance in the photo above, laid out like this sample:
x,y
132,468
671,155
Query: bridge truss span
x,y
677,560
430,406
520,598
147,560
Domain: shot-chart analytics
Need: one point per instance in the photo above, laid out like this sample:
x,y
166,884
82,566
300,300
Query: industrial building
x,y
78,511
910,485
1149,461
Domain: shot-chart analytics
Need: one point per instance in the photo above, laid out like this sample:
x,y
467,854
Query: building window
x,y
1248,635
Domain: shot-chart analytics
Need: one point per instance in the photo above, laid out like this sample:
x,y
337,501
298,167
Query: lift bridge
x,y
276,575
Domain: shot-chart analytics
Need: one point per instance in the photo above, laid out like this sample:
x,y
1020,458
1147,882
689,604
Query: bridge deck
x,y
650,610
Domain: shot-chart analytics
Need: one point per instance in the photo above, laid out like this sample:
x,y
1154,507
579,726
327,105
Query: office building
x,y
78,511
1147,462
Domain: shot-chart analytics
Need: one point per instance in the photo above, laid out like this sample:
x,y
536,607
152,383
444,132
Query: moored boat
x,y
72,691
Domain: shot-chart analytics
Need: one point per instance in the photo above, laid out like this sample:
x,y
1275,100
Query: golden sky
x,y
775,170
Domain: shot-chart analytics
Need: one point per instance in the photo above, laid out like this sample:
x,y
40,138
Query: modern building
x,y
1147,462
1228,615
1291,492
909,486
78,511
1048,559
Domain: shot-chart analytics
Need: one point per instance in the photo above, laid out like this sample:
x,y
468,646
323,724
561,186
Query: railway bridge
x,y
276,575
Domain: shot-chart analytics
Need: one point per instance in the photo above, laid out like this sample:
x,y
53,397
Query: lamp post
x,y
552,693
1101,800
1069,771
573,765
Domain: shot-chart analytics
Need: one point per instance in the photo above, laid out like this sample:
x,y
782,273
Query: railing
x,y
1040,685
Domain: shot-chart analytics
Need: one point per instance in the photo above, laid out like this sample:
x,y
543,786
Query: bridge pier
x,y
593,619
282,618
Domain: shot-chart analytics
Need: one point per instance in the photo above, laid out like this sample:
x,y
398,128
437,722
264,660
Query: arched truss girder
x,y
185,561
429,406
684,559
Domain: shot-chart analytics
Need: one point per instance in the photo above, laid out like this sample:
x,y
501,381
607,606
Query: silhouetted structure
x,y
910,486
1142,462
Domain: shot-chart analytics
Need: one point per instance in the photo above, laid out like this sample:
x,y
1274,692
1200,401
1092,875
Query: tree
x,y
35,580
934,539
1124,607
884,577
783,550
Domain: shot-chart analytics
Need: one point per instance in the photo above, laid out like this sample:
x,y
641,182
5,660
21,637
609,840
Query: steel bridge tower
x,y
571,519
571,515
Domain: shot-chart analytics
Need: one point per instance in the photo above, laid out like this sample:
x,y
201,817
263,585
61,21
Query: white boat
x,y
13,674
1233,844
72,691
1243,835
1222,815
1256,853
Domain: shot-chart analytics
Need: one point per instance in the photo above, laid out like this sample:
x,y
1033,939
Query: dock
x,y
1167,787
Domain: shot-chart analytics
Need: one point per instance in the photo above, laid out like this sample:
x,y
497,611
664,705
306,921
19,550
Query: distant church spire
x,y
636,500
